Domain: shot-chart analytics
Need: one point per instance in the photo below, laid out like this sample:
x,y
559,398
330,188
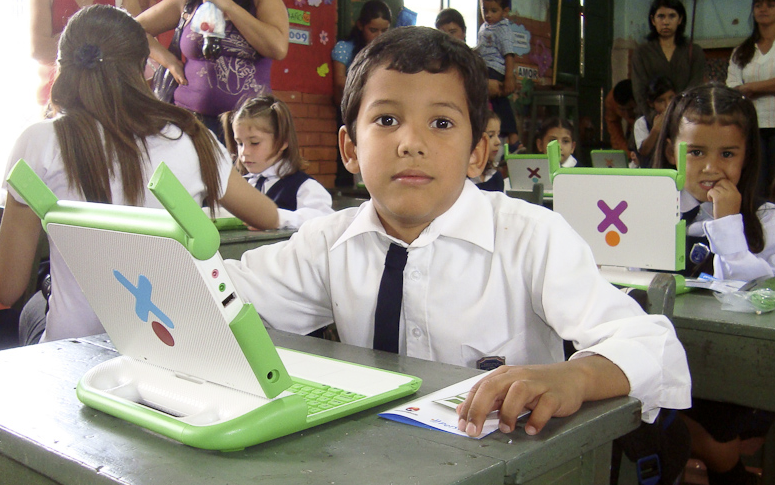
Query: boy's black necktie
x,y
391,290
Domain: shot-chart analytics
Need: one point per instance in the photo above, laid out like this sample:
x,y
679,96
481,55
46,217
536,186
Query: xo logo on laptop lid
x,y
533,174
612,218
144,306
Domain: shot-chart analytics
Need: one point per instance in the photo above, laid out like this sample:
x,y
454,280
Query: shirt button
x,y
416,332
415,275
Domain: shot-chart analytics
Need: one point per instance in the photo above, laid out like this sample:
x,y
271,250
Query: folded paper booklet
x,y
437,410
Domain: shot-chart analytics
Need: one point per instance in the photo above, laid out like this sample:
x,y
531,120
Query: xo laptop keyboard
x,y
321,397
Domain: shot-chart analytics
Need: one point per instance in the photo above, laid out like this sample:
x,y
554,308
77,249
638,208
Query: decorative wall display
x,y
521,39
306,68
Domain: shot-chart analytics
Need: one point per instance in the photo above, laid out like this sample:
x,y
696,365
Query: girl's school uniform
x,y
298,196
491,180
732,259
570,162
641,131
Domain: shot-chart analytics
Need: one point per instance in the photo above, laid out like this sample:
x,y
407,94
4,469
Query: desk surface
x,y
730,354
236,241
48,436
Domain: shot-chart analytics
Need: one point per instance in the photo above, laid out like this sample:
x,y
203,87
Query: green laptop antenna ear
x,y
553,152
31,188
680,166
203,239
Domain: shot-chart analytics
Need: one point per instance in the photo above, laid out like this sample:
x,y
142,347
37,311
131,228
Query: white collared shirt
x,y
760,68
312,199
733,260
483,279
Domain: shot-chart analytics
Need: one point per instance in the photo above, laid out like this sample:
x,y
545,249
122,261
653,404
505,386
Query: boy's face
x,y
492,131
492,12
454,30
413,147
563,136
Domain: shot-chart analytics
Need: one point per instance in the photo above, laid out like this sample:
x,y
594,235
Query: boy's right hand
x,y
547,390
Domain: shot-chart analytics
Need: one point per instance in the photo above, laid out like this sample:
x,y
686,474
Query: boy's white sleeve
x,y
287,282
599,319
312,200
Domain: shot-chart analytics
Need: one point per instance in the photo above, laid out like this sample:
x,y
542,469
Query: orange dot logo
x,y
612,238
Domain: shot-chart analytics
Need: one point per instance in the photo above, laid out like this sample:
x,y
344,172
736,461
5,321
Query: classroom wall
x,y
315,119
720,25
304,81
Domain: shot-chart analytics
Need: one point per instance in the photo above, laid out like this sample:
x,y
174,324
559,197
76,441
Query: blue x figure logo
x,y
143,303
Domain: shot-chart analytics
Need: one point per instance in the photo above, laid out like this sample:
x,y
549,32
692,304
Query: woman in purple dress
x,y
256,33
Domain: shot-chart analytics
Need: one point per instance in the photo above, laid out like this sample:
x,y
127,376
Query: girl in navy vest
x,y
722,211
261,137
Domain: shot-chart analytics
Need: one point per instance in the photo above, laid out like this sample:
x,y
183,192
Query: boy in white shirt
x,y
486,276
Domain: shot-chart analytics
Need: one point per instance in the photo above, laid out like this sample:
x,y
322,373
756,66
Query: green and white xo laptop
x,y
196,364
630,218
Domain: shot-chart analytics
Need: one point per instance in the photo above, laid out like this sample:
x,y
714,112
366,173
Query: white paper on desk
x,y
437,410
710,283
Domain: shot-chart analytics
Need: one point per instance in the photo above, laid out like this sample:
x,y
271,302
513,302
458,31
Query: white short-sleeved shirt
x,y
69,313
312,199
761,68
492,276
640,131
733,260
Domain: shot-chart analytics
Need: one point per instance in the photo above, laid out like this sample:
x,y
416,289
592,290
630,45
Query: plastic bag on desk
x,y
208,20
756,301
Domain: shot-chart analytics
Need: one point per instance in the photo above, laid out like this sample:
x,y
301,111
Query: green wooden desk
x,y
47,436
731,357
237,241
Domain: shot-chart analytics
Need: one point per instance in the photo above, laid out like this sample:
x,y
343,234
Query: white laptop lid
x,y
629,217
527,170
609,159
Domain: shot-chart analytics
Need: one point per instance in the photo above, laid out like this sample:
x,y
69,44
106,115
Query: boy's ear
x,y
478,159
348,151
670,151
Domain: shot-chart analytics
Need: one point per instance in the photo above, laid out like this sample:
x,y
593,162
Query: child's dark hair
x,y
505,4
276,116
676,5
411,50
716,103
623,92
373,9
554,122
450,16
744,53
658,86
